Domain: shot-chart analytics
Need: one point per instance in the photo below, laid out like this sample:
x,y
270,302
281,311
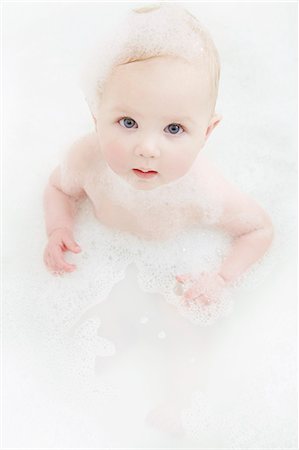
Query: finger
x,y
51,262
48,264
199,300
71,244
60,263
46,257
51,265
188,302
192,293
183,278
57,273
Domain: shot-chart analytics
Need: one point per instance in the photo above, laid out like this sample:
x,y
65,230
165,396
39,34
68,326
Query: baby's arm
x,y
245,221
60,201
251,241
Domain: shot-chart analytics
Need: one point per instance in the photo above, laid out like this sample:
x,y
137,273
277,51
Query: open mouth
x,y
141,174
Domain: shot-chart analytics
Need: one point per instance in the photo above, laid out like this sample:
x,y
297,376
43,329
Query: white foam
x,y
165,30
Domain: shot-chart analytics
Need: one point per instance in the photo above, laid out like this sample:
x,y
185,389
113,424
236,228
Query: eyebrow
x,y
181,119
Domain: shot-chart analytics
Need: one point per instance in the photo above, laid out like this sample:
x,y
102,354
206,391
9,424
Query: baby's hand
x,y
203,288
60,240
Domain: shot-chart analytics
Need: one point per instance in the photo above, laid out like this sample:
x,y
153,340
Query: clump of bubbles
x,y
162,30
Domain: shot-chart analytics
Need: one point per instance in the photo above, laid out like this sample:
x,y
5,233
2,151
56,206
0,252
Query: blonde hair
x,y
160,29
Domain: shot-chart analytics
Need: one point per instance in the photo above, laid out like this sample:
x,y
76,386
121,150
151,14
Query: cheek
x,y
116,154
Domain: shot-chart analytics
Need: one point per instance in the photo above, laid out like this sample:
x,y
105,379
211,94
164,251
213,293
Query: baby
x,y
152,93
153,99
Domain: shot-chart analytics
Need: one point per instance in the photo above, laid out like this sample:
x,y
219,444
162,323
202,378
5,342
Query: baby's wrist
x,y
50,233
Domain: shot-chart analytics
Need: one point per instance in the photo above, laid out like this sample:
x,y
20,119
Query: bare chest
x,y
142,216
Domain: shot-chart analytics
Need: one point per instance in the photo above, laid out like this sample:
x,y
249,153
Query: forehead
x,y
159,84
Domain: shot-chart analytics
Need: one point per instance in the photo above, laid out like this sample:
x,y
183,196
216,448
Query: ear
x,y
216,118
94,119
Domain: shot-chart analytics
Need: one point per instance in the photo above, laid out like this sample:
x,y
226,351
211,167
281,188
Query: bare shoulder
x,y
83,152
76,164
241,213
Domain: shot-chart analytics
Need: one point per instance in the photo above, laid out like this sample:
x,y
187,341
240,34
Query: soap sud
x,y
162,335
236,418
144,320
168,30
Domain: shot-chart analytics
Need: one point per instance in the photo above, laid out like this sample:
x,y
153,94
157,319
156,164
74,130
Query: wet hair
x,y
161,29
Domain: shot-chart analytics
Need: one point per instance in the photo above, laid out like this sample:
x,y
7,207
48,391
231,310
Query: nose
x,y
147,149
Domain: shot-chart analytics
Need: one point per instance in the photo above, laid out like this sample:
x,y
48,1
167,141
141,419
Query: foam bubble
x,y
166,30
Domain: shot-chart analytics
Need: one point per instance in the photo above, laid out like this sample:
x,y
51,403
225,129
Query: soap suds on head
x,y
161,30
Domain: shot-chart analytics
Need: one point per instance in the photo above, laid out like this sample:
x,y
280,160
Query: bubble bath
x,y
99,341
87,355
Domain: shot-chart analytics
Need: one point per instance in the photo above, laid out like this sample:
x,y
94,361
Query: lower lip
x,y
141,174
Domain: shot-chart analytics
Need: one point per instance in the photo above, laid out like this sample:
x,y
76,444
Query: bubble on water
x,y
144,320
161,335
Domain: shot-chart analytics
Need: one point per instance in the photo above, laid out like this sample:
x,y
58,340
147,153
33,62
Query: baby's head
x,y
153,97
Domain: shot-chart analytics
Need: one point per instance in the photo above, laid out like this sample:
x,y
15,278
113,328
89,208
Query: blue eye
x,y
128,122
174,128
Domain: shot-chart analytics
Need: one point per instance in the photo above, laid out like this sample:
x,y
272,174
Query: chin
x,y
145,187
